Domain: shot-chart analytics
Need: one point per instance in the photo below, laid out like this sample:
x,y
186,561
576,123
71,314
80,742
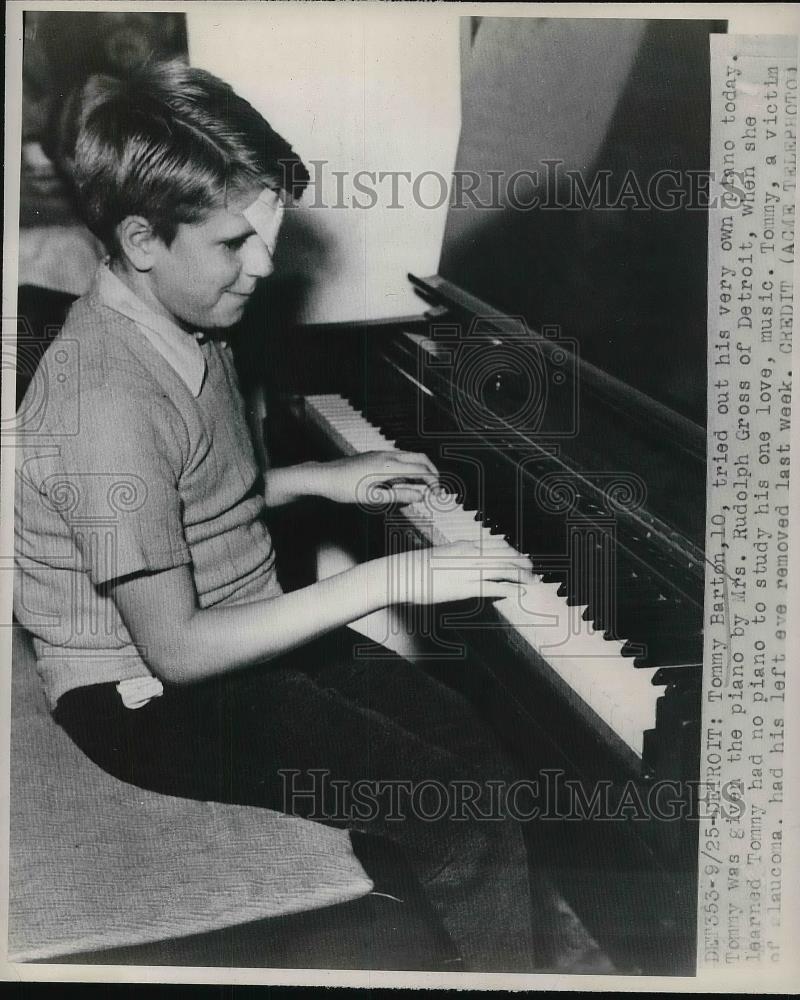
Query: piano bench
x,y
374,932
102,871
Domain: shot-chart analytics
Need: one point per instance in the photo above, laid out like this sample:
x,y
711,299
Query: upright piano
x,y
556,375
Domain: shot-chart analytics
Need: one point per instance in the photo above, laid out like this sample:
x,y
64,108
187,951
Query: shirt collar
x,y
178,348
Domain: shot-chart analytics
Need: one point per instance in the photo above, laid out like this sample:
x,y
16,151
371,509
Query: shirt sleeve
x,y
117,486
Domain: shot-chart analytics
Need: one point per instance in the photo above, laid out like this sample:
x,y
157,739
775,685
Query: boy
x,y
146,575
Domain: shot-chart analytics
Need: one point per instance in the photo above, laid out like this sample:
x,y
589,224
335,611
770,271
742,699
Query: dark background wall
x,y
61,49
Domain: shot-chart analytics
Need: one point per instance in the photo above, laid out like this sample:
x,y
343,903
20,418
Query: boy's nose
x,y
256,258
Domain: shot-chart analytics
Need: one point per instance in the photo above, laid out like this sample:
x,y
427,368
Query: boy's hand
x,y
377,477
456,572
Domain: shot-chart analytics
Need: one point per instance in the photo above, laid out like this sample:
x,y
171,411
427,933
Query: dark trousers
x,y
340,739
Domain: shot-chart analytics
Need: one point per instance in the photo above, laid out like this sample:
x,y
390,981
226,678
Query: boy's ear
x,y
138,242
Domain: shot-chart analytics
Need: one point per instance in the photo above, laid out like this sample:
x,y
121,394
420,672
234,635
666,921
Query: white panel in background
x,y
363,89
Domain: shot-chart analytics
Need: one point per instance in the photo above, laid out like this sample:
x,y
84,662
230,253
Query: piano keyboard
x,y
590,666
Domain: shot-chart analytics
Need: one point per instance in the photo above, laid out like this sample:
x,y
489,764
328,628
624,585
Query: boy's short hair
x,y
169,142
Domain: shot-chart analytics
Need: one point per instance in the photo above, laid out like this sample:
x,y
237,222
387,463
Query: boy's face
x,y
207,274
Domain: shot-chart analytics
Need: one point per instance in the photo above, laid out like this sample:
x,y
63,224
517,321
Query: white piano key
x,y
620,694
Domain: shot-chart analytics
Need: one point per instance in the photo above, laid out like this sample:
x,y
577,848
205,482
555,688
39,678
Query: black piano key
x,y
665,650
639,610
659,636
644,611
684,673
671,656
651,614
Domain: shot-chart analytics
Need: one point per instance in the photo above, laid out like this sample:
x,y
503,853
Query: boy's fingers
x,y
493,548
495,556
415,458
400,488
489,559
498,543
417,474
405,493
510,569
507,574
496,589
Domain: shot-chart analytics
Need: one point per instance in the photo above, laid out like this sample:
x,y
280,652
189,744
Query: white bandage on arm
x,y
265,215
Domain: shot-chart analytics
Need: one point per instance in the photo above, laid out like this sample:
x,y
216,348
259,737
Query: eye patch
x,y
265,215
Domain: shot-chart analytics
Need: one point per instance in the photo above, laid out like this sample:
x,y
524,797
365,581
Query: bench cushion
x,y
97,863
